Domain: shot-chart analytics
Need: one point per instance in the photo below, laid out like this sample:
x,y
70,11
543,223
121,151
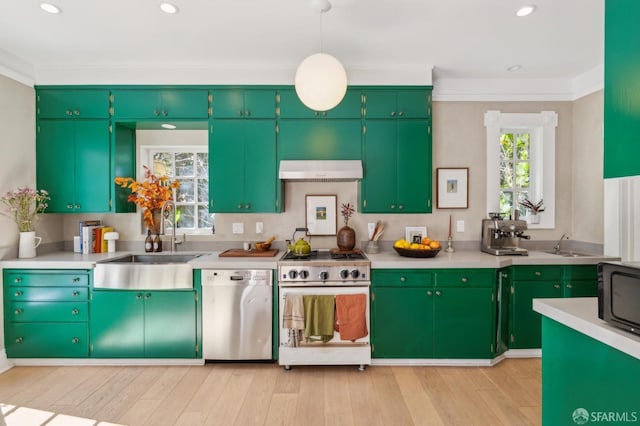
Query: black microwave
x,y
619,295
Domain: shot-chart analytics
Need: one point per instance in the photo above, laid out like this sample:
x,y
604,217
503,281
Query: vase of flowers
x,y
24,206
149,194
534,209
346,235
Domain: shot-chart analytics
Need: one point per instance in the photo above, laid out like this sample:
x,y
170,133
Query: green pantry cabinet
x,y
46,313
548,281
422,313
143,324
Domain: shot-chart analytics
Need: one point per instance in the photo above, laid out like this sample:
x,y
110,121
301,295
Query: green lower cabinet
x,y
143,324
47,340
533,282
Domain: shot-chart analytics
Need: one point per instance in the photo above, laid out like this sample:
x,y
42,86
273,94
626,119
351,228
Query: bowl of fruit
x,y
426,248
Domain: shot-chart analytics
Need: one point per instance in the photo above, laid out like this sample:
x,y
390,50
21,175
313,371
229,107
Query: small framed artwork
x,y
321,214
452,186
415,234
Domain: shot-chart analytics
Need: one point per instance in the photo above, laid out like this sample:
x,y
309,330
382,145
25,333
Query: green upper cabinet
x,y
292,107
397,167
241,103
621,89
242,161
73,164
328,139
414,103
75,103
135,104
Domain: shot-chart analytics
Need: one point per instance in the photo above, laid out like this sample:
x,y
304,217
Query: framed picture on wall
x,y
452,188
321,214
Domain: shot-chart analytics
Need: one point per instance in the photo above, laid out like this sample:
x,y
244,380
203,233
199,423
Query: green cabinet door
x,y
73,164
379,186
581,288
117,324
402,322
385,103
292,107
161,104
414,166
242,166
169,324
464,322
69,103
525,322
241,103
327,139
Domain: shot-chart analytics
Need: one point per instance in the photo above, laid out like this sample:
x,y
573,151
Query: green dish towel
x,y
318,317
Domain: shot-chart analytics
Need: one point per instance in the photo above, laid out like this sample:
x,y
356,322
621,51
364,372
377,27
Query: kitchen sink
x,y
568,253
168,271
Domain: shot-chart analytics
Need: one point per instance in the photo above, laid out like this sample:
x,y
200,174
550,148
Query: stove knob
x,y
355,273
324,275
304,274
293,274
344,274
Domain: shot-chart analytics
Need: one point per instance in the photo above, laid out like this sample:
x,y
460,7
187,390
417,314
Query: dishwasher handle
x,y
236,278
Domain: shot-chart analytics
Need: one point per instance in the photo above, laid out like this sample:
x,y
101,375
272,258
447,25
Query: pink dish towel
x,y
351,314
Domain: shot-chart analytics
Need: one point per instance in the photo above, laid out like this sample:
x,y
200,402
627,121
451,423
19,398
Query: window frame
x,y
542,127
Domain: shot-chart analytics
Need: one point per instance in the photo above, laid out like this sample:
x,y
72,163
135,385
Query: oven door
x,y
333,352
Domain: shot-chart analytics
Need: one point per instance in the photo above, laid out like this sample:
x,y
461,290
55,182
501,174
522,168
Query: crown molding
x,y
16,68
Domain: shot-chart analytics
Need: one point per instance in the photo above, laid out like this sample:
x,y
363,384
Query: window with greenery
x,y
514,170
521,163
190,167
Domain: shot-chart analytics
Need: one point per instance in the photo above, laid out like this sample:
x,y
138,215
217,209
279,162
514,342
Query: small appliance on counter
x,y
619,295
502,237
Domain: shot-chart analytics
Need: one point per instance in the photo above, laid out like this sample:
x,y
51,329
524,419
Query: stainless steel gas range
x,y
307,285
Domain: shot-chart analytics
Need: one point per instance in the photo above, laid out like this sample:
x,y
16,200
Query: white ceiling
x,y
469,44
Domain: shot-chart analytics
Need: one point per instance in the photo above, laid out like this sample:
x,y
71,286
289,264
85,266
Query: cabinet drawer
x,y
466,277
161,104
47,278
537,272
73,104
47,340
401,277
37,294
581,272
48,311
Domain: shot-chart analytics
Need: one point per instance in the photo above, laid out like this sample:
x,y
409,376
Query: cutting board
x,y
248,253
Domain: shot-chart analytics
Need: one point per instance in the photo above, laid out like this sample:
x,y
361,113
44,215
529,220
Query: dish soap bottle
x,y
157,243
148,242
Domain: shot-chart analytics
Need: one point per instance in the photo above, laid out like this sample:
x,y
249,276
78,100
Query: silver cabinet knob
x,y
538,273
75,311
138,296
464,279
393,113
438,293
18,279
17,293
18,311
401,113
19,339
403,279
69,112
569,286
429,293
75,340
393,206
556,286
75,293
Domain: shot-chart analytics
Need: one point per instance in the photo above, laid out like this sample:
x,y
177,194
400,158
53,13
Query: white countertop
x,y
388,259
581,314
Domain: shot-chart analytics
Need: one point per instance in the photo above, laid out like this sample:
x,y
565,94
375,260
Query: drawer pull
x,y
403,279
429,293
147,296
438,293
465,279
138,296
556,286
18,280
76,293
75,311
569,286
75,340
18,339
76,279
537,273
18,311
18,293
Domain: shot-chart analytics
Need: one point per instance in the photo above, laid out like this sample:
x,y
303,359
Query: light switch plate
x,y
238,228
460,226
259,227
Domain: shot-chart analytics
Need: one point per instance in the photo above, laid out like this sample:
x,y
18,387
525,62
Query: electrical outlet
x,y
238,228
460,226
259,227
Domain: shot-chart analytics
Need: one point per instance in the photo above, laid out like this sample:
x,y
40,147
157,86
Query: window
x,y
189,165
521,163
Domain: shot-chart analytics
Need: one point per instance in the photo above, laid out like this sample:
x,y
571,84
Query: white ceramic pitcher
x,y
27,244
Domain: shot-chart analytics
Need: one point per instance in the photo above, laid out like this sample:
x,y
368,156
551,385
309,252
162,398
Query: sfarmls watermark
x,y
581,416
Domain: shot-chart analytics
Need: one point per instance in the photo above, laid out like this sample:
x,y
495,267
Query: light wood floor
x,y
256,394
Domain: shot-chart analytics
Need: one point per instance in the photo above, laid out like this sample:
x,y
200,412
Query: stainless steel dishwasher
x,y
237,310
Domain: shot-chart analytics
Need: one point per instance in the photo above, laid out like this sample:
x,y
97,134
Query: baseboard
x,y
5,363
433,362
523,353
69,362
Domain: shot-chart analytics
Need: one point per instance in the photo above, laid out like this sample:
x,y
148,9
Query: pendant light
x,y
321,80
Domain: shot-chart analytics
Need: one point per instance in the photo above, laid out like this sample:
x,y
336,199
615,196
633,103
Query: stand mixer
x,y
502,237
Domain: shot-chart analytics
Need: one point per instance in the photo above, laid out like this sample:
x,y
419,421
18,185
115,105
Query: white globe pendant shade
x,y
321,82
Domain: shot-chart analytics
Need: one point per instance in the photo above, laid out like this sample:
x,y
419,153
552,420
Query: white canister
x,y
27,244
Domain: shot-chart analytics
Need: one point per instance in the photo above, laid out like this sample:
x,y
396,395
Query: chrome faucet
x,y
169,207
556,248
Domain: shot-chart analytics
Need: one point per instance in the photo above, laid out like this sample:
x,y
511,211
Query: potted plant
x,y
24,206
534,209
346,234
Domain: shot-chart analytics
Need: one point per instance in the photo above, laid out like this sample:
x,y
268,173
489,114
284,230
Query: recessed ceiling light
x,y
169,8
514,68
50,8
526,10
168,126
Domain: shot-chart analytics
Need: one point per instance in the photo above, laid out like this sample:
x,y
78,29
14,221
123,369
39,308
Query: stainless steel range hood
x,y
321,170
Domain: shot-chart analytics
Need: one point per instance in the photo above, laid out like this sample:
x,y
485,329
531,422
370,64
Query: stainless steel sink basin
x,y
568,253
145,272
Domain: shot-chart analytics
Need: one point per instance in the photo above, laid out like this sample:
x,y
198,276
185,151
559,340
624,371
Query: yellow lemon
x,y
414,246
399,243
